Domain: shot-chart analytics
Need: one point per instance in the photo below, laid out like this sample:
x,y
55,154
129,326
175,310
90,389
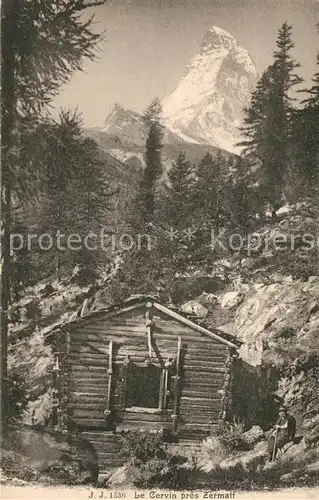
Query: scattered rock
x,y
229,328
85,307
248,263
253,435
314,290
306,213
74,315
284,223
296,219
313,307
259,286
244,457
194,307
252,354
46,290
284,210
208,298
118,478
232,299
313,279
302,205
314,466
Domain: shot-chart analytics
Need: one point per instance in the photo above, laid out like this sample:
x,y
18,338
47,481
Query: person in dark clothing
x,y
283,433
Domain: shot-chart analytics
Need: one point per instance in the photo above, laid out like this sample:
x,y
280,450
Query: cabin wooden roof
x,y
136,301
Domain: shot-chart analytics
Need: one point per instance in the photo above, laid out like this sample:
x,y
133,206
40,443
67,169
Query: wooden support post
x,y
125,374
164,383
177,377
109,384
64,385
56,413
149,325
149,341
226,401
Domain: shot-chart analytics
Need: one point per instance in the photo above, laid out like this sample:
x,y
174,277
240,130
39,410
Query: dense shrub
x,y
166,473
140,447
230,436
212,450
18,397
148,463
227,438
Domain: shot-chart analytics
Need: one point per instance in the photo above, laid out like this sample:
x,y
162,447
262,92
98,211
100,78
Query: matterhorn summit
x,y
207,105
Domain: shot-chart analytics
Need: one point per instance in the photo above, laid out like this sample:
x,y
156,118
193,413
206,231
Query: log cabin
x,y
141,365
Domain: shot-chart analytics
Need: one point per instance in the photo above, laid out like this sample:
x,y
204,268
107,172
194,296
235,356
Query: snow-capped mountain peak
x,y
216,37
207,105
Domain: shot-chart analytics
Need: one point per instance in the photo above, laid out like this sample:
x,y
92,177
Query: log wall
x,y
202,369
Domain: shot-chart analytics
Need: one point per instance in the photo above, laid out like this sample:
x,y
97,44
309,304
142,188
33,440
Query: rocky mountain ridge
x,y
128,126
206,108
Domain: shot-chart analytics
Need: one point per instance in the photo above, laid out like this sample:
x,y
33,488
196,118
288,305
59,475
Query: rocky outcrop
x,y
278,324
277,311
45,457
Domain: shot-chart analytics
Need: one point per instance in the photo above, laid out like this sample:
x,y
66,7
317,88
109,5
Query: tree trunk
x,y
8,119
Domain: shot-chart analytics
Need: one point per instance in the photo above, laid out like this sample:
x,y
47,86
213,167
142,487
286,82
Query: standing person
x,y
284,432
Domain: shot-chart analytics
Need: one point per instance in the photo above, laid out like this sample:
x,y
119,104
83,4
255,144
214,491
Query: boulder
x,y
258,286
208,298
248,263
313,279
195,308
232,299
253,435
118,478
46,290
54,458
245,457
284,210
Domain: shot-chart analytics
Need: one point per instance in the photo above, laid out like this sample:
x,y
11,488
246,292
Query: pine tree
x,y
178,213
180,196
61,159
306,138
42,44
75,198
208,190
313,100
254,128
242,205
145,203
208,201
91,205
269,118
22,272
284,81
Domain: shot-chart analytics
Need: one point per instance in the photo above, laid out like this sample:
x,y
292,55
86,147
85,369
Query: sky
x,y
149,42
